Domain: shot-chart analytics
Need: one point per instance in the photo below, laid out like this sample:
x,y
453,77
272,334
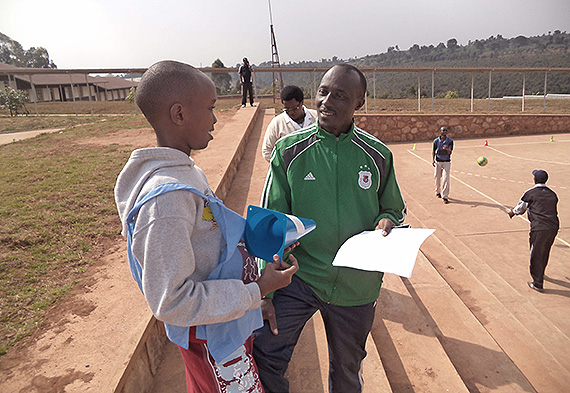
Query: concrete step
x,y
411,353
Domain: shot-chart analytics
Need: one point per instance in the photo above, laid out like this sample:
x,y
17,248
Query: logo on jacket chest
x,y
364,177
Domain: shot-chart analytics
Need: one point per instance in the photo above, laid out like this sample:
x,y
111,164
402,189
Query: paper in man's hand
x,y
395,253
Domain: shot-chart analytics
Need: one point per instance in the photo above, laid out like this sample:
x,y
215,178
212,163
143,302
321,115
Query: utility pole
x,y
277,76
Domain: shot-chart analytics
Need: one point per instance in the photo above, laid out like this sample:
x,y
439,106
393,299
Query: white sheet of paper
x,y
395,253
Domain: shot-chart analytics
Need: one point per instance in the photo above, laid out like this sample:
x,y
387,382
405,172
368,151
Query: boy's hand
x,y
277,275
511,213
283,272
385,225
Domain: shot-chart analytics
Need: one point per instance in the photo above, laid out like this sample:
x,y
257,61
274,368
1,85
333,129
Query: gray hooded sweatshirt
x,y
178,243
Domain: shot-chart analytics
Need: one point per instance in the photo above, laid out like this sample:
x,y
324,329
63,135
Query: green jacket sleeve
x,y
392,205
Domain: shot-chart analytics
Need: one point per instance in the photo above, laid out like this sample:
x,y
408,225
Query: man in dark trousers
x,y
246,83
343,178
540,201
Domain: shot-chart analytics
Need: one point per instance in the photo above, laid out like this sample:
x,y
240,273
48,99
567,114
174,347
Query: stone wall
x,y
419,128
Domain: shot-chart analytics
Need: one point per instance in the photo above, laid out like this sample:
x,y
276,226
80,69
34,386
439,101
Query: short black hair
x,y
540,176
350,68
292,92
162,84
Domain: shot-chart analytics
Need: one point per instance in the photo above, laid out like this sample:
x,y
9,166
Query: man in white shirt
x,y
294,117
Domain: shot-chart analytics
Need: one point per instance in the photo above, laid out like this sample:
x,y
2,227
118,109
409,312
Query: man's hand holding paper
x,y
373,251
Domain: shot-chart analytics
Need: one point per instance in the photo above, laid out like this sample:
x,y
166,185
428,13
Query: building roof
x,y
45,79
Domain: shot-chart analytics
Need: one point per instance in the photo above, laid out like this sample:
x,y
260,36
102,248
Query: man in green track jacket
x,y
343,178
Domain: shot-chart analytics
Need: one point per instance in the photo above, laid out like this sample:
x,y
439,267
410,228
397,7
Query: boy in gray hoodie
x,y
178,239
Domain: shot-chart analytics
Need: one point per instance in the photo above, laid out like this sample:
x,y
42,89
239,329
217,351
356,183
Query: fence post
x,y
134,93
432,89
35,93
419,94
73,94
489,107
524,82
89,93
472,83
545,79
374,84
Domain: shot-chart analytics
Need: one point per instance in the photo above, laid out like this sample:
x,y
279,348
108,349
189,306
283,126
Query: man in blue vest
x,y
441,156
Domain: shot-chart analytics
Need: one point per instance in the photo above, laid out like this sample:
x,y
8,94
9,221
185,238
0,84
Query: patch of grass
x,y
57,213
28,123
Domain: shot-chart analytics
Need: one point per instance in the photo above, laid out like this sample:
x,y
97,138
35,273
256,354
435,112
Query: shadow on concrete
x,y
477,365
474,204
242,180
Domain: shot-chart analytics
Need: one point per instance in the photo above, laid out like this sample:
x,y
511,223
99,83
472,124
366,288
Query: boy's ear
x,y
177,113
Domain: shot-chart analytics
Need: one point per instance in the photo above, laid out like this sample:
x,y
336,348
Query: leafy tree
x,y
451,94
11,52
131,96
13,100
452,43
223,81
38,58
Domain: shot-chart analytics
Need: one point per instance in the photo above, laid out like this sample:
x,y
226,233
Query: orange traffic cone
x,y
486,143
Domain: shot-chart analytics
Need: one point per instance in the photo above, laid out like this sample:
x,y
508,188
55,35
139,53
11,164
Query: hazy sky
x,y
137,33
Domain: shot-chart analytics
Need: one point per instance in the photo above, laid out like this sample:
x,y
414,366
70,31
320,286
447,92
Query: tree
x,y
222,80
13,100
131,96
11,52
38,58
452,43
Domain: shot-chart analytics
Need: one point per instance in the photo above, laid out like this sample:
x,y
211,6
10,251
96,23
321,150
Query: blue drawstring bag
x,y
225,337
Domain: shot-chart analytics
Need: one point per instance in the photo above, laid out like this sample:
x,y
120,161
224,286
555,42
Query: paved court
x,y
483,255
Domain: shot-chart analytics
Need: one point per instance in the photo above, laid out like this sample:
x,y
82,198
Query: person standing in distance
x,y
245,73
294,117
540,202
441,160
343,178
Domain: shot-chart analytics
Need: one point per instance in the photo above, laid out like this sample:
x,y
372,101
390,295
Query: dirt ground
x,y
27,366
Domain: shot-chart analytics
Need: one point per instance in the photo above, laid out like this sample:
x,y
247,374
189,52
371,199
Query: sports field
x,y
483,255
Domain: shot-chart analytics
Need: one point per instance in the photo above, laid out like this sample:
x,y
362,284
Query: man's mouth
x,y
325,112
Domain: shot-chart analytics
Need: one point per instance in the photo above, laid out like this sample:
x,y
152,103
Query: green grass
x,y
62,114
57,215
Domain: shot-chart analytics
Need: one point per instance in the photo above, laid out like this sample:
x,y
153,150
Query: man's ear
x,y
177,113
360,103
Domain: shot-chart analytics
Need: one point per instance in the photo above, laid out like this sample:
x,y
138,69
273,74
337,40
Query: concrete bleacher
x,y
443,330
404,350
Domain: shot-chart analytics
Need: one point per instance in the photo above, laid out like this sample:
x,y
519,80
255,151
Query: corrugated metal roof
x,y
43,79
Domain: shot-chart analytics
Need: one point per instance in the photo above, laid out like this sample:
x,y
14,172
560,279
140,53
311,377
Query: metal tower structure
x,y
276,75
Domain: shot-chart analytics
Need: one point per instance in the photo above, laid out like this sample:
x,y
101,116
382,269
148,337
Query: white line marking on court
x,y
528,159
486,196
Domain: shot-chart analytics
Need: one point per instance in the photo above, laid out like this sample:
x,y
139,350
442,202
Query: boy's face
x,y
201,119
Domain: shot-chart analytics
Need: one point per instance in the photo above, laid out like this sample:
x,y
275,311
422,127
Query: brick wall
x,y
418,128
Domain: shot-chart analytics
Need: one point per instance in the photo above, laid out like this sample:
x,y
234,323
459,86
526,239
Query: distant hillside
x,y
550,50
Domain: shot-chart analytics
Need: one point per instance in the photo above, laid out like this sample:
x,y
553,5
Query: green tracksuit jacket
x,y
346,184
